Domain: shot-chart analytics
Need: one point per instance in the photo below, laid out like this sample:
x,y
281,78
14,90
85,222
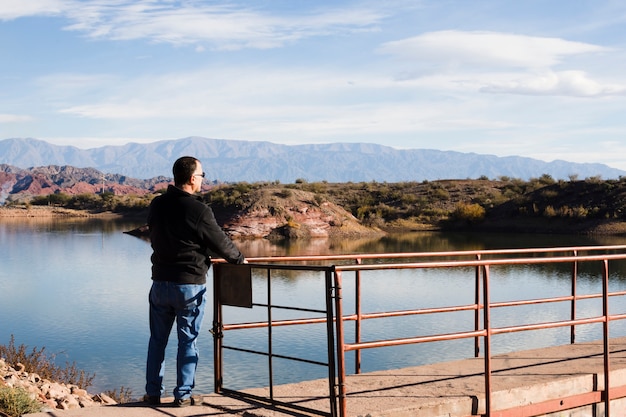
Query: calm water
x,y
79,288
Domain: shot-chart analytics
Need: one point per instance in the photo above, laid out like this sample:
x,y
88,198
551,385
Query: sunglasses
x,y
199,175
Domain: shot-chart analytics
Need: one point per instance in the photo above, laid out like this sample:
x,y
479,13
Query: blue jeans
x,y
185,304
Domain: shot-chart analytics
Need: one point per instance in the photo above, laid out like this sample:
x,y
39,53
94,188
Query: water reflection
x,y
79,287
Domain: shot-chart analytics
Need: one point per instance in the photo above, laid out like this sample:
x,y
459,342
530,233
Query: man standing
x,y
183,233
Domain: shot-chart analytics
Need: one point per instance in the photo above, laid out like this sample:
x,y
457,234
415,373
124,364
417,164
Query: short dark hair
x,y
183,169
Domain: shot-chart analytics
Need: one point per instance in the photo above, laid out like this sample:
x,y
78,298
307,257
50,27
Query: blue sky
x,y
544,79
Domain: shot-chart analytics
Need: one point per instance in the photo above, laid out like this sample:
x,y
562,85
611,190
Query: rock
x,y
68,402
51,395
79,392
105,399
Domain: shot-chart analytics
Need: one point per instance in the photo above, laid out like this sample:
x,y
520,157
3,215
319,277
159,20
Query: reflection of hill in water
x,y
429,242
304,247
70,223
420,242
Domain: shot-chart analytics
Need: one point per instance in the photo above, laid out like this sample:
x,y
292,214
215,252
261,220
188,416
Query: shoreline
x,y
527,225
52,212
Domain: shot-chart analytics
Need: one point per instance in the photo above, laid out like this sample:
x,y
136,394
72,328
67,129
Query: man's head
x,y
188,174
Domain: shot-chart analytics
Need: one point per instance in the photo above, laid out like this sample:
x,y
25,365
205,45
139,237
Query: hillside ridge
x,y
323,209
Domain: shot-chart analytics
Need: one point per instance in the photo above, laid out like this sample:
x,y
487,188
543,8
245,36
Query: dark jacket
x,y
183,234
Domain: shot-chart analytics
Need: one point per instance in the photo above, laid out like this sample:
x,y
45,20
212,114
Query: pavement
x,y
456,388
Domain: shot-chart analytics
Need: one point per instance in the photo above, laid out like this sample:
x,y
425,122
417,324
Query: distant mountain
x,y
44,180
235,160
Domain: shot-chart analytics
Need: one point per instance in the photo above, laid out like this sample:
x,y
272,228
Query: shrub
x,y
57,199
37,361
16,402
122,397
286,193
470,213
292,223
85,201
440,194
549,211
546,179
549,194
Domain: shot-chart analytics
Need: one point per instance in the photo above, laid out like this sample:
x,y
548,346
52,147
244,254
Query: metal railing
x,y
481,262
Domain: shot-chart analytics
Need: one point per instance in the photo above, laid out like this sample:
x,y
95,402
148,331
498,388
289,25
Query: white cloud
x,y
249,91
222,26
566,83
14,118
461,50
262,102
14,9
503,63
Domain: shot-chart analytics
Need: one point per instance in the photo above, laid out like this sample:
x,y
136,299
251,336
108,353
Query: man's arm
x,y
217,240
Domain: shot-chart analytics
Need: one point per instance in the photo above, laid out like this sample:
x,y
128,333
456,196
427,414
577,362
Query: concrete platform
x,y
454,389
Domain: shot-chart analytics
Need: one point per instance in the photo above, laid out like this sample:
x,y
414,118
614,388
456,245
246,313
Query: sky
x,y
543,79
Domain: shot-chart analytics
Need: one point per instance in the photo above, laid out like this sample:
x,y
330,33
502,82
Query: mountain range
x,y
252,161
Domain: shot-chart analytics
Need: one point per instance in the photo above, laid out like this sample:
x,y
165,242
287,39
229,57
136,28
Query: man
x,y
183,233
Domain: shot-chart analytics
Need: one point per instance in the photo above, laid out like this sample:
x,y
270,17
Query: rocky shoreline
x,y
51,395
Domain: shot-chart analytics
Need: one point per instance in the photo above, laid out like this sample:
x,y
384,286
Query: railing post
x,y
605,312
487,341
573,304
477,311
216,330
357,327
341,353
328,278
270,344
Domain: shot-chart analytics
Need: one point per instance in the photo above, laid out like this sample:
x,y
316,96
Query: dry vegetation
x,y
506,204
503,204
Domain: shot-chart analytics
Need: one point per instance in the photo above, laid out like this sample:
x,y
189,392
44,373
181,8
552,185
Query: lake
x,y
78,287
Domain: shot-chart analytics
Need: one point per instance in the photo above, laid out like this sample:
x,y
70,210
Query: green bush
x,y
57,199
85,201
16,402
470,213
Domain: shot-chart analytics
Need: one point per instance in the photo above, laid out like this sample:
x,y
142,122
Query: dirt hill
x,y
277,213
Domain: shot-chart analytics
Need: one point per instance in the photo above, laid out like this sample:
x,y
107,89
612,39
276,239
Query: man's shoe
x,y
152,399
184,402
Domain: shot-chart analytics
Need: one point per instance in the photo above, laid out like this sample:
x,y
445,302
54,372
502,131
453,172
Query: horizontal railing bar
x,y
533,301
484,262
611,294
274,355
276,306
615,317
350,317
404,255
465,335
554,299
276,323
547,325
400,313
289,267
413,340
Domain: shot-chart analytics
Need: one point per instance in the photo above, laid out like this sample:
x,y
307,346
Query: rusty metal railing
x,y
334,267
